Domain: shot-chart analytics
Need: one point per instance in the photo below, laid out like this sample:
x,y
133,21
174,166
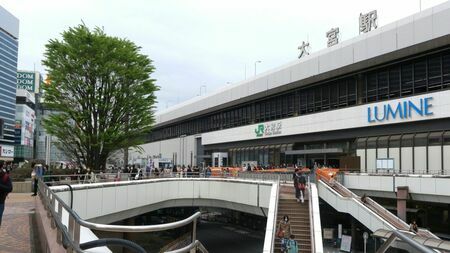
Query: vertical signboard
x,y
26,80
29,81
24,127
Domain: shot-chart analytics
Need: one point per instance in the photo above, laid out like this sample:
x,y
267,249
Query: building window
x,y
361,143
2,126
446,138
435,139
383,142
394,141
421,139
372,142
407,140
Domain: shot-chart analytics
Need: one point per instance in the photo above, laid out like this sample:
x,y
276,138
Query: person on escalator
x,y
413,227
364,198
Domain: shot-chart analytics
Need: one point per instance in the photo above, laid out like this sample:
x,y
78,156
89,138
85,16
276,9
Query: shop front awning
x,y
314,151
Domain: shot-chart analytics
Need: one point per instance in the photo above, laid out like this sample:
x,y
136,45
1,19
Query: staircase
x,y
298,215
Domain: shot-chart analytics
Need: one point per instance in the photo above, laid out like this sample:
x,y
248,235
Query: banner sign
x,y
26,80
6,151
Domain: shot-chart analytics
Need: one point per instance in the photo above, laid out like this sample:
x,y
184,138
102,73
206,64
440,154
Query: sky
x,y
199,46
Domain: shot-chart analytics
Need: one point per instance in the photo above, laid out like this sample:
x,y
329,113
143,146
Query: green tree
x,y
101,91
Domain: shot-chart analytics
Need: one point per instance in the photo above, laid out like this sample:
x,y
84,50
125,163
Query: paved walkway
x,y
18,230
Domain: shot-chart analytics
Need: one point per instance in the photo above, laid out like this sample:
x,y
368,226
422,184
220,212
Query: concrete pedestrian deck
x,y
18,233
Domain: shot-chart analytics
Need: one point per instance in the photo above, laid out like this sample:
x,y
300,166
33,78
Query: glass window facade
x,y
8,82
420,74
410,149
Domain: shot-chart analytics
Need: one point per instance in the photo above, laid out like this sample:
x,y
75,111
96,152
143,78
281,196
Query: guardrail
x,y
311,216
114,177
111,177
69,236
316,229
55,206
398,174
274,224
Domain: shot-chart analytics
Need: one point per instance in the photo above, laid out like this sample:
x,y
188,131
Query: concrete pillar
x,y
402,197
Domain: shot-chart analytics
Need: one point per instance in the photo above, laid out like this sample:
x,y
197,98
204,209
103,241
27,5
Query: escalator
x,y
376,218
336,194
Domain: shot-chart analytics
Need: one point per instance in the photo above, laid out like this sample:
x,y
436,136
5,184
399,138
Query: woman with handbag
x,y
284,232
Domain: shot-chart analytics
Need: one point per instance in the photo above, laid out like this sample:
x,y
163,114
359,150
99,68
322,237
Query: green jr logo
x,y
259,131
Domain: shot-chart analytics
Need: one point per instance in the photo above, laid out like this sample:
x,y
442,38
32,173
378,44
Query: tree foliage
x,y
101,91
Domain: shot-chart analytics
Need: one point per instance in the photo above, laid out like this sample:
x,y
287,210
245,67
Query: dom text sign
x,y
25,80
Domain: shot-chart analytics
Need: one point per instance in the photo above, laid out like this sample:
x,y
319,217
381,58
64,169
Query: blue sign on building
x,y
402,110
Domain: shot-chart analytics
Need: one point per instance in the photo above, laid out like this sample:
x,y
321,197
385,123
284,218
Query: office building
x,y
9,34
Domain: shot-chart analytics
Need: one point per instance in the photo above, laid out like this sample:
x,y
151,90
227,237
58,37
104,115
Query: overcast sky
x,y
195,43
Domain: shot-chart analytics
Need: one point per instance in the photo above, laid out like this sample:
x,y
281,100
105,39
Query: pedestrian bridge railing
x,y
314,218
68,225
266,197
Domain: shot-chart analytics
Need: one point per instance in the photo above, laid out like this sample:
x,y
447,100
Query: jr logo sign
x,y
259,131
268,129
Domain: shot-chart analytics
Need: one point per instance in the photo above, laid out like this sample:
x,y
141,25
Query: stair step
x,y
298,217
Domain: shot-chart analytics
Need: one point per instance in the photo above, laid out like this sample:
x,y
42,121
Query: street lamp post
x,y
255,65
201,89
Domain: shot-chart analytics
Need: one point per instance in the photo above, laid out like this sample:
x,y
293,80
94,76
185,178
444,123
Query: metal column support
x,y
194,230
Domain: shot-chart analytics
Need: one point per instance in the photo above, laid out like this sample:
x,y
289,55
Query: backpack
x,y
5,180
292,246
302,179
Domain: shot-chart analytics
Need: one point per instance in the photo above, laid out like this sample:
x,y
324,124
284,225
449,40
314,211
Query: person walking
x,y
208,172
284,232
302,186
292,245
5,189
296,177
38,172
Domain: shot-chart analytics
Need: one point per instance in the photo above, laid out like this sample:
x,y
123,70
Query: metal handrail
x,y
146,228
311,215
72,235
277,196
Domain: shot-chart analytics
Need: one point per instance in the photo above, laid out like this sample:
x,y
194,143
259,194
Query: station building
x,y
383,94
